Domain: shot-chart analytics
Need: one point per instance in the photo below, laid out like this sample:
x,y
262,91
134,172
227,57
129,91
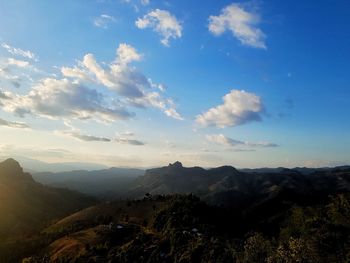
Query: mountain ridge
x,y
27,205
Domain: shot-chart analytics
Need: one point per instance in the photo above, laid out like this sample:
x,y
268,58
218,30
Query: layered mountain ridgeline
x,y
27,206
229,187
217,185
107,184
36,166
184,229
284,216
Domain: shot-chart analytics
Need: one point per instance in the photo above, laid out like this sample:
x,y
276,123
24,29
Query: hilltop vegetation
x,y
185,229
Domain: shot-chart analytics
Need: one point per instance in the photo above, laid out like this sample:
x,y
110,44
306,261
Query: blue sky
x,y
144,83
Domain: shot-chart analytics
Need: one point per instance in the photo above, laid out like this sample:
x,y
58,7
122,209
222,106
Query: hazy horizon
x,y
37,166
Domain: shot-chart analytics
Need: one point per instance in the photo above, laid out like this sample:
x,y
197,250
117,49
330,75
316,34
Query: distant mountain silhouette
x,y
35,166
221,185
105,184
175,178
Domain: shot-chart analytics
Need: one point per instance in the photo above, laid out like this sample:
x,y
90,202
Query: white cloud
x,y
174,114
127,54
89,90
104,20
55,99
239,107
226,141
11,124
122,78
19,52
162,22
241,23
155,100
18,63
17,72
76,73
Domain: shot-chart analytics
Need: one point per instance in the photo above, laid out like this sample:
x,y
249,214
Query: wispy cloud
x,y
11,124
124,140
91,138
163,23
241,23
87,138
104,20
19,52
127,138
239,107
226,141
145,2
137,4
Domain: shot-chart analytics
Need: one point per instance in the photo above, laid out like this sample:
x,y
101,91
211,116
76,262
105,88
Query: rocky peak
x,y
177,164
10,165
10,168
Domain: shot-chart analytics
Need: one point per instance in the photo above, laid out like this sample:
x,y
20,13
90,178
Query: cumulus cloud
x,y
54,98
19,52
104,20
127,54
119,77
124,79
226,141
17,71
241,23
120,86
163,23
239,107
11,124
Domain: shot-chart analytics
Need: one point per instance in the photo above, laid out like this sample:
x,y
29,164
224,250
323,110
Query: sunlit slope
x,y
25,205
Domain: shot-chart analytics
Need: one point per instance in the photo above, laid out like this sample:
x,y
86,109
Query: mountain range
x,y
219,185
104,184
172,214
36,166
